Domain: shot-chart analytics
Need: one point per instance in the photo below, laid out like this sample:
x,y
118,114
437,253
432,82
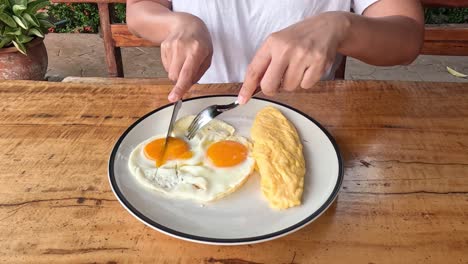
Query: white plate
x,y
243,217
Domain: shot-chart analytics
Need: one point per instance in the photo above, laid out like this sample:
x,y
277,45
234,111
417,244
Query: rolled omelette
x,y
278,153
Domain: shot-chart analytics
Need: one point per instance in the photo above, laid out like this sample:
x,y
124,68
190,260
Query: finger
x,y
177,61
293,76
165,56
271,81
254,74
312,75
202,69
185,80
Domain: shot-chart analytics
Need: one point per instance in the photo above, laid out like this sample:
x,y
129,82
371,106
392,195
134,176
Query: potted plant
x,y
23,24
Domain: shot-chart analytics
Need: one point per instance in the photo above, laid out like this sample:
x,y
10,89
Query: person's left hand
x,y
297,56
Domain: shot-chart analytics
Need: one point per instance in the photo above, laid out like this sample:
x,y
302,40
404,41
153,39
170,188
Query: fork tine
x,y
200,124
205,116
192,132
194,121
194,129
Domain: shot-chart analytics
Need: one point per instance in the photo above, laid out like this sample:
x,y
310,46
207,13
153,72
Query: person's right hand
x,y
186,53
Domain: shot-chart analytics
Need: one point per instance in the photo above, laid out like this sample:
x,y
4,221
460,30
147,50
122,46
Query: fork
x,y
209,113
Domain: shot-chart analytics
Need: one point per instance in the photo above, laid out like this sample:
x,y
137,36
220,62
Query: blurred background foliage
x,y
80,18
446,15
84,18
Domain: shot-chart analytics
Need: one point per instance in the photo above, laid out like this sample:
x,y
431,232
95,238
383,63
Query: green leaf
x,y
5,2
32,20
18,9
42,15
5,41
2,7
9,31
21,2
45,23
19,46
7,20
33,7
24,39
21,22
36,32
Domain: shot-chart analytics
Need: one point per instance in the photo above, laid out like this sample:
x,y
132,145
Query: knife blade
x,y
175,111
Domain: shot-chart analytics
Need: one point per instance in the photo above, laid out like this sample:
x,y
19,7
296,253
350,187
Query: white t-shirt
x,y
239,27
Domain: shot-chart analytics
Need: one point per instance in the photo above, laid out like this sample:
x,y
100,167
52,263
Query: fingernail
x,y
241,99
173,97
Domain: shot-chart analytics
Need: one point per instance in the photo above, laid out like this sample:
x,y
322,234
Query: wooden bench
x,y
115,80
449,40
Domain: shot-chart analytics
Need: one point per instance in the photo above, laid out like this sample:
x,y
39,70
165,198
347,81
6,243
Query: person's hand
x,y
297,56
186,53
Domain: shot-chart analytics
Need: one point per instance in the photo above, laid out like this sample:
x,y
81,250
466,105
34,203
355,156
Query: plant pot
x,y
16,66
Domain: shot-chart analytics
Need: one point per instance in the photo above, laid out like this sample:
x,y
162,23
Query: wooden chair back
x,y
439,39
448,40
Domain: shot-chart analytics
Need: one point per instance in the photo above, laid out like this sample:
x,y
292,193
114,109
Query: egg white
x,y
196,178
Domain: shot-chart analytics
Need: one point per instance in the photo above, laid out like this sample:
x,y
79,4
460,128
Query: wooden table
x,y
404,198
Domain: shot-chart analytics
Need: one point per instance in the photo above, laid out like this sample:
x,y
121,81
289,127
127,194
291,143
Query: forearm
x,y
382,41
150,20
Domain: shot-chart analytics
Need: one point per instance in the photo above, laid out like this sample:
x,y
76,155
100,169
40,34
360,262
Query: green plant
x,y
75,17
446,15
81,18
85,17
21,21
120,12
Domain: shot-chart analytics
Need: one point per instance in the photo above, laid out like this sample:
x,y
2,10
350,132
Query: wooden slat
x,y
445,3
124,38
451,32
446,40
113,55
115,81
448,48
443,40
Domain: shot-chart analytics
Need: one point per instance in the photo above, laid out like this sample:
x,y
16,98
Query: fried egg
x,y
213,164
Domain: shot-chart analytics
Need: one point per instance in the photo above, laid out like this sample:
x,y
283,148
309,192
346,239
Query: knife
x,y
175,111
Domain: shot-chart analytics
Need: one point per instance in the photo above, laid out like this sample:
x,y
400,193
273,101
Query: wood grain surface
x,y
112,52
117,80
404,198
449,39
122,37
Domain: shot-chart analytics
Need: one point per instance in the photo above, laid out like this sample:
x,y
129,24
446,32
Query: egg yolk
x,y
176,149
227,153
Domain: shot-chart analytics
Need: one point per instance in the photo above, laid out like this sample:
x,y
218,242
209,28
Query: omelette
x,y
277,150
